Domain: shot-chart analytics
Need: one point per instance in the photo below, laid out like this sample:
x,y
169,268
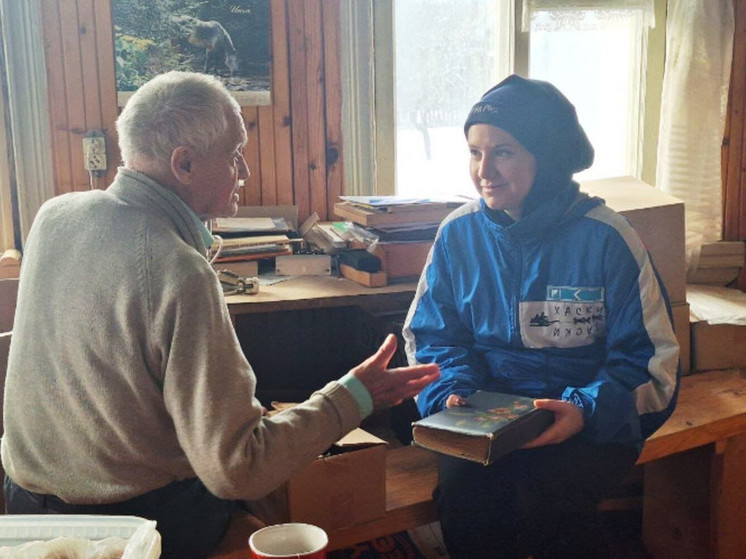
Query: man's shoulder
x,y
72,200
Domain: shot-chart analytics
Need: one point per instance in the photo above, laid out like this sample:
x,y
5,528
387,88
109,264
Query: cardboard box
x,y
717,346
659,220
303,265
682,329
403,260
342,488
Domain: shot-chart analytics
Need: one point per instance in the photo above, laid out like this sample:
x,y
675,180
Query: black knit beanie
x,y
542,119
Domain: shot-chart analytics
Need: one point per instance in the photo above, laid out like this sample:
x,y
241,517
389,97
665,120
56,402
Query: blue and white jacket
x,y
565,304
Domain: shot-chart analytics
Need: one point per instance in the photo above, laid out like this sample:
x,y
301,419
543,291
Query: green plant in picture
x,y
132,60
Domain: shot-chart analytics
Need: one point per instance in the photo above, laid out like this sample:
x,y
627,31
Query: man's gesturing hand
x,y
389,387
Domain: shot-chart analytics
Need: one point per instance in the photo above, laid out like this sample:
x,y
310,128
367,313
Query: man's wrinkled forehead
x,y
237,125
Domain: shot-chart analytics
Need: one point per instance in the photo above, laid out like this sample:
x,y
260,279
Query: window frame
x,y
370,153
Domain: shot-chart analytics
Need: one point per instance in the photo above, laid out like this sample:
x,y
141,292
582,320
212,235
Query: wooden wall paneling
x,y
281,115
107,87
734,175
737,202
251,194
89,58
298,106
73,77
333,83
734,227
316,103
266,146
57,96
724,150
287,154
89,64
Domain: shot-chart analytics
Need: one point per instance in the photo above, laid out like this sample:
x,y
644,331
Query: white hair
x,y
171,110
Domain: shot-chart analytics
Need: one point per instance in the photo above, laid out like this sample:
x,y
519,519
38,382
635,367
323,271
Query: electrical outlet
x,y
94,153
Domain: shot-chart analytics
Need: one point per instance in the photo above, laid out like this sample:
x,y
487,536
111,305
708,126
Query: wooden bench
x,y
695,472
694,478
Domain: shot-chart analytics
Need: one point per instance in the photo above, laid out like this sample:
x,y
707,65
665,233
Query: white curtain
x,y
573,14
699,47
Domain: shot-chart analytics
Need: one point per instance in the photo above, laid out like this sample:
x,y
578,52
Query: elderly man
x,y
127,391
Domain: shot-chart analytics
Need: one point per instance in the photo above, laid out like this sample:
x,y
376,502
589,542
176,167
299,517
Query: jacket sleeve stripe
x,y
654,395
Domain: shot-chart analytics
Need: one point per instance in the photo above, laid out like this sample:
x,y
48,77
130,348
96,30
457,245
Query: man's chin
x,y
230,211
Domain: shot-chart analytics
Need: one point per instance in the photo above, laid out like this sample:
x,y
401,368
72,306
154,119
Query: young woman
x,y
540,290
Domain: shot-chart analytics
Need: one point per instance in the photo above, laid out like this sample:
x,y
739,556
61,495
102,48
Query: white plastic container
x,y
19,529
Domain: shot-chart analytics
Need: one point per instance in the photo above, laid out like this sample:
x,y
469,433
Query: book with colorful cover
x,y
489,426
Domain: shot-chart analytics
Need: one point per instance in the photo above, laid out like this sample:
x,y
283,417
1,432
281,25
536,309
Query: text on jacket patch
x,y
569,317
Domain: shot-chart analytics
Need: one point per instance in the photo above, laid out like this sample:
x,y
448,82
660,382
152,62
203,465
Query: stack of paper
x,y
240,226
385,211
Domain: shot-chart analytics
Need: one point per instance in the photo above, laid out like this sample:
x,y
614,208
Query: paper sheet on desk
x,y
250,224
716,305
271,279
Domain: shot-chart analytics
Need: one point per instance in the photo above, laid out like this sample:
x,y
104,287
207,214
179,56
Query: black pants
x,y
190,520
540,502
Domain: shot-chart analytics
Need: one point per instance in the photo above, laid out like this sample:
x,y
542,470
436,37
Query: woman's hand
x,y
455,400
568,421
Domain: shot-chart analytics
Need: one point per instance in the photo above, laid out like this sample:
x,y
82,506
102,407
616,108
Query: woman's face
x,y
501,168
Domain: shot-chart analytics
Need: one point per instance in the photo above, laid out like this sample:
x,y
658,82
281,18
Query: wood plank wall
x,y
295,147
295,144
734,141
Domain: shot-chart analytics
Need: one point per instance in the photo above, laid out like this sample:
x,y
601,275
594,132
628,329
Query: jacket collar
x,y
566,205
138,189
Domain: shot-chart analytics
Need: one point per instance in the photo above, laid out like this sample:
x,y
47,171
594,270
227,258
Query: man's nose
x,y
243,169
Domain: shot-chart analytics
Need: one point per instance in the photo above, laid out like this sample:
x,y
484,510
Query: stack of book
x,y
253,248
247,239
720,263
404,228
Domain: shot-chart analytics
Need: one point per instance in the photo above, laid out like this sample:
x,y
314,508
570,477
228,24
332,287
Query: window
x,y
443,54
596,57
446,54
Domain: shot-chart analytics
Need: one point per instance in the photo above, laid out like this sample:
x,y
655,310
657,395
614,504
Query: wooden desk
x,y
314,292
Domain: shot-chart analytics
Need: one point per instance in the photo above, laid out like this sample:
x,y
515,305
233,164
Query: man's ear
x,y
182,164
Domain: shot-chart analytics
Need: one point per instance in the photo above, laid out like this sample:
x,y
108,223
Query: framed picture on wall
x,y
227,38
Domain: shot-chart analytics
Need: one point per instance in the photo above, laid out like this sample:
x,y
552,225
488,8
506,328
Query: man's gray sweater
x,y
125,372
